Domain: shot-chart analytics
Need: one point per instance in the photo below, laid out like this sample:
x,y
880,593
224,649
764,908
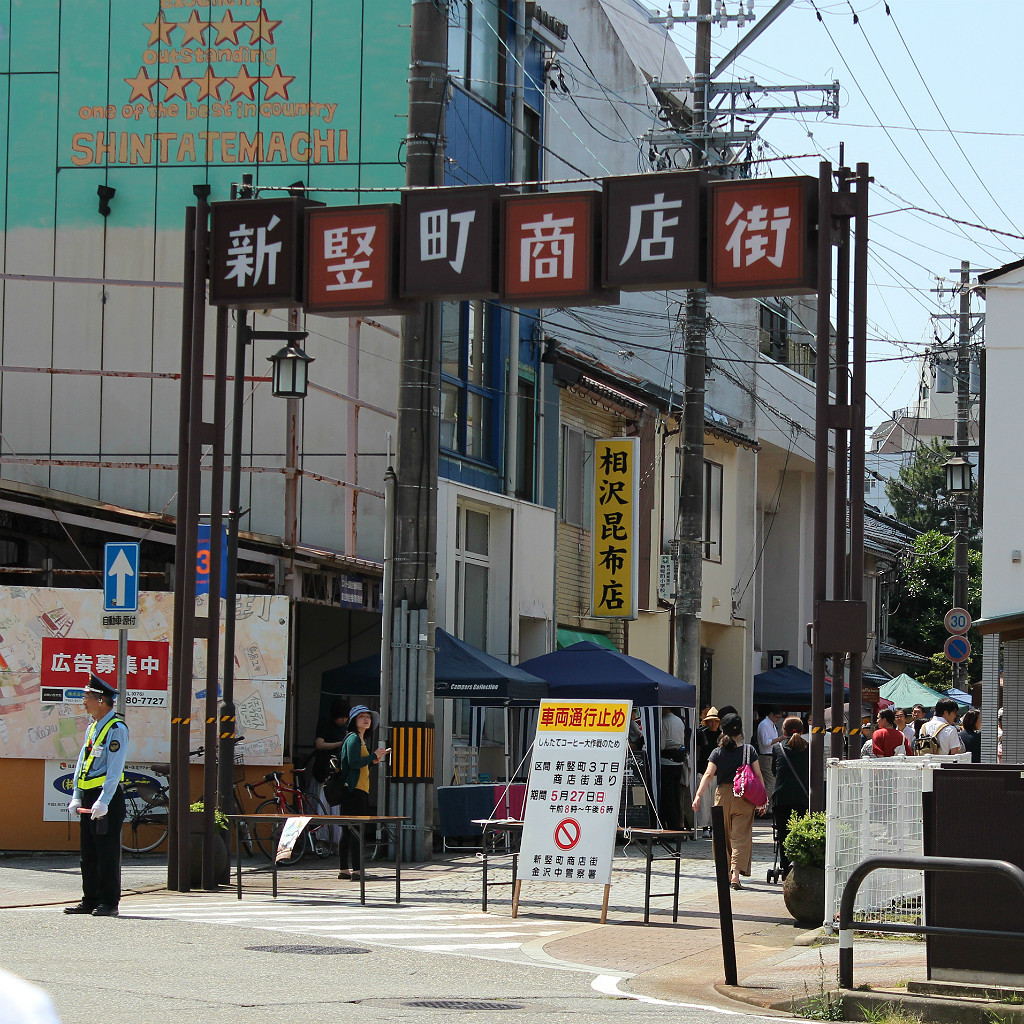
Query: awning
x,y
567,637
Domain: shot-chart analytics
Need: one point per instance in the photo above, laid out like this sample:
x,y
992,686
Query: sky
x,y
930,100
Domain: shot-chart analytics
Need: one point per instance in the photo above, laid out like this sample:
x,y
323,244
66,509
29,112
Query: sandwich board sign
x,y
572,797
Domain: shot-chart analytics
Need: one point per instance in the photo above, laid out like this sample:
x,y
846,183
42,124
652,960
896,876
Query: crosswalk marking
x,y
407,927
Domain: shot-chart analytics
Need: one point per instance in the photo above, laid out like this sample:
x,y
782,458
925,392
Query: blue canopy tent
x,y
460,671
588,671
789,687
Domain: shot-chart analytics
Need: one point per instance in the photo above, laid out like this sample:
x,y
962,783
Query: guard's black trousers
x,y
101,851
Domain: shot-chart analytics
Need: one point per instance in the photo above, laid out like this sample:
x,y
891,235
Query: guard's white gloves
x,y
74,805
99,810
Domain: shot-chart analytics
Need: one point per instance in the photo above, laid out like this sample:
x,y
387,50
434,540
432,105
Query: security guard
x,y
98,776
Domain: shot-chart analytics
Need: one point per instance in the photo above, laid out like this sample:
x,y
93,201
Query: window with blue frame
x,y
475,58
468,333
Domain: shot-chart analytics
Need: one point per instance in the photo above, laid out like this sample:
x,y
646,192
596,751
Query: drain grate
x,y
310,950
461,1004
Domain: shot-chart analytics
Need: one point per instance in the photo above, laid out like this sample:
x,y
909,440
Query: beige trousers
x,y
739,825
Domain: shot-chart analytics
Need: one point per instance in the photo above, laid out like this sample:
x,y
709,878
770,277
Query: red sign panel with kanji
x,y
67,663
549,249
763,237
350,259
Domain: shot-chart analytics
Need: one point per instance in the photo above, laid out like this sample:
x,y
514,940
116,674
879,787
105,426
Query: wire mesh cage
x,y
874,809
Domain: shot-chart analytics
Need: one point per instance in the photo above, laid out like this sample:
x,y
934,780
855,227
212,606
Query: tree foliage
x,y
918,492
924,593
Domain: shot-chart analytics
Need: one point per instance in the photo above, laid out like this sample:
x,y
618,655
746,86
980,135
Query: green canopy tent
x,y
905,692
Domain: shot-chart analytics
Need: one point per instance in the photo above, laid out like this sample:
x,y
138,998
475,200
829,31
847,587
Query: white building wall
x,y
1002,577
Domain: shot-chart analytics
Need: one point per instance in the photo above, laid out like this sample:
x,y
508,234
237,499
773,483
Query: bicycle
x,y
147,803
290,800
146,813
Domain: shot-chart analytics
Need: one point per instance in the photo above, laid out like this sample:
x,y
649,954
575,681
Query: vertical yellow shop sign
x,y
614,539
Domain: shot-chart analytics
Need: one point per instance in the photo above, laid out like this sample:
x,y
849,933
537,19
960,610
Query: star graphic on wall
x,y
209,85
175,85
142,85
227,28
194,29
160,30
243,84
262,28
277,84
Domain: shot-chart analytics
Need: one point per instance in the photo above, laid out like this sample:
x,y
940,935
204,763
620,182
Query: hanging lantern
x,y
958,475
291,372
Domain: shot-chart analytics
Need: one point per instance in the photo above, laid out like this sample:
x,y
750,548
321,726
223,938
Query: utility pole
x,y
411,652
963,411
690,515
703,142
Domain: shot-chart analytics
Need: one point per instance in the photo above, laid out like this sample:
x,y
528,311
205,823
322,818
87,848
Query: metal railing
x,y
958,864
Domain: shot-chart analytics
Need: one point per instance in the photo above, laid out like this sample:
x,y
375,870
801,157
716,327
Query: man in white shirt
x,y
767,737
673,756
917,715
942,727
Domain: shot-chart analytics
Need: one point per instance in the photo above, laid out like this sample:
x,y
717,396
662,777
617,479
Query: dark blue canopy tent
x,y
460,670
589,671
789,687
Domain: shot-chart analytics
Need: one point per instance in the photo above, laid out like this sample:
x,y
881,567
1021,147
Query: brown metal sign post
x,y
840,623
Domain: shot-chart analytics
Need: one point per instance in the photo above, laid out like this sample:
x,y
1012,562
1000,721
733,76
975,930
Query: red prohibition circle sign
x,y
567,833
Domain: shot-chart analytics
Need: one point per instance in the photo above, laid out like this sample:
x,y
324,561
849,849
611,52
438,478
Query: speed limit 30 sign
x,y
957,620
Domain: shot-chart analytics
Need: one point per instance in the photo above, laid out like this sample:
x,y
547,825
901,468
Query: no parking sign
x,y
572,797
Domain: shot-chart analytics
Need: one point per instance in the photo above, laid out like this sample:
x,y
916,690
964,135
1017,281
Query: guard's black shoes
x,y
105,910
78,908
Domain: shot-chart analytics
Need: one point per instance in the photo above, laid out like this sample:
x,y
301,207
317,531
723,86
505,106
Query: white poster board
x,y
572,797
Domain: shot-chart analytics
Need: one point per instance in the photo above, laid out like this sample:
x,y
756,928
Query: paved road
x,y
420,927
189,966
175,958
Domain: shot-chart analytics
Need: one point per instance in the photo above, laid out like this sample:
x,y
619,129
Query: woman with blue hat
x,y
354,768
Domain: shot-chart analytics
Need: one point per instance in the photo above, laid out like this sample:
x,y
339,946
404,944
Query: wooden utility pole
x,y
690,514
411,697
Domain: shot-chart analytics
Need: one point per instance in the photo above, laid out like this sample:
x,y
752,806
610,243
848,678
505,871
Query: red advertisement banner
x,y
69,660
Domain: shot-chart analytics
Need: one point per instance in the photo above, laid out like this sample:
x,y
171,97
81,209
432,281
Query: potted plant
x,y
804,887
197,834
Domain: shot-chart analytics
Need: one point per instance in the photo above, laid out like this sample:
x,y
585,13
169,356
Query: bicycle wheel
x,y
244,831
319,836
145,825
266,832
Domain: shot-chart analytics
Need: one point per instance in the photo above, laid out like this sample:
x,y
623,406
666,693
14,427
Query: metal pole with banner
x,y
572,796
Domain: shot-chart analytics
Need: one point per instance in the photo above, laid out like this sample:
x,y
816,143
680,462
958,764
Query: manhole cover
x,y
460,1004
313,950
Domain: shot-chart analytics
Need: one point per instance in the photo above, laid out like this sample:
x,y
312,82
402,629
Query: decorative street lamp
x,y
291,372
958,476
959,485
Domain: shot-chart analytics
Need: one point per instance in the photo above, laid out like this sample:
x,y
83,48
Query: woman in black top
x,y
791,763
723,764
970,735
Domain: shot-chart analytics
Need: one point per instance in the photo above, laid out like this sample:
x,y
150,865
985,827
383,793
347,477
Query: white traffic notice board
x,y
572,797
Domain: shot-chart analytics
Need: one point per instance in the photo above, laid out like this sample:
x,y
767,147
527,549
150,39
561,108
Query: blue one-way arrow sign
x,y
121,576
